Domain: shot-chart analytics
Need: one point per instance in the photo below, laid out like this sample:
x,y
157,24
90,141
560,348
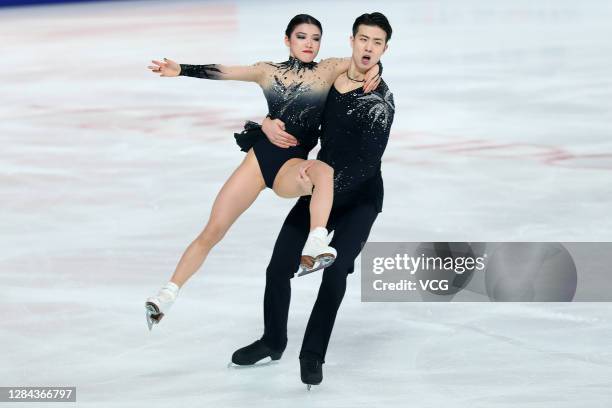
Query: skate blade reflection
x,y
320,263
152,314
262,363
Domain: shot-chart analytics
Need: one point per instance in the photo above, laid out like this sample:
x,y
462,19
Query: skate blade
x,y
321,262
152,314
261,363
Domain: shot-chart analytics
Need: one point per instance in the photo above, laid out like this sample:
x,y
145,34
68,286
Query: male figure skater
x,y
354,134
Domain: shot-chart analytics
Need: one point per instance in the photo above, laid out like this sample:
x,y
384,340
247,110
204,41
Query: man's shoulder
x,y
385,93
381,95
378,106
383,87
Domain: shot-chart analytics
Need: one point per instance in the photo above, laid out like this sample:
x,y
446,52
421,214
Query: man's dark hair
x,y
373,19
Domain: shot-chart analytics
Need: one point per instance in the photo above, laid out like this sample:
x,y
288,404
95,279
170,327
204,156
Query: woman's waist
x,y
305,135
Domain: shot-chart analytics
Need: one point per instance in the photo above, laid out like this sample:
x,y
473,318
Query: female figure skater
x,y
296,91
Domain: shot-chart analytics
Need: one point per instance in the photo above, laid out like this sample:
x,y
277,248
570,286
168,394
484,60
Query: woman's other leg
x,y
236,195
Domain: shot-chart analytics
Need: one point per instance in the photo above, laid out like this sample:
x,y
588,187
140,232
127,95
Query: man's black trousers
x,y
352,223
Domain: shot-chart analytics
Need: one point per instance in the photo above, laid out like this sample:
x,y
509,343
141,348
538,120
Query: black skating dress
x,y
295,92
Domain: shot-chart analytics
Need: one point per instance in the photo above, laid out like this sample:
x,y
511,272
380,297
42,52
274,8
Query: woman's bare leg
x,y
322,177
236,195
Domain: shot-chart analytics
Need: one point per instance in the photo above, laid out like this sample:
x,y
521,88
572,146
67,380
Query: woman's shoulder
x,y
331,62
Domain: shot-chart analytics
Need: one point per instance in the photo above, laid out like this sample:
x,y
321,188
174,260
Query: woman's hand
x,y
168,68
302,178
372,79
274,129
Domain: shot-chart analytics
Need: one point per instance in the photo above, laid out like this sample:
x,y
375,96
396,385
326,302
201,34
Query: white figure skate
x,y
157,306
317,254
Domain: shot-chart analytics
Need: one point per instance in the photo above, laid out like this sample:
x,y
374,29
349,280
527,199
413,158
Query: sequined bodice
x,y
296,94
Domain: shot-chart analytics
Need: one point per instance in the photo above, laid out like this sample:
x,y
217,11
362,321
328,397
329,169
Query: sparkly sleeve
x,y
375,137
249,73
210,71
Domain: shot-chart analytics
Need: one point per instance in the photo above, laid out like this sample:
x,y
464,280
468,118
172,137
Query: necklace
x,y
294,64
352,79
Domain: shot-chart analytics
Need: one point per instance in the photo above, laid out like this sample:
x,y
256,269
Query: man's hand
x,y
372,79
274,129
168,68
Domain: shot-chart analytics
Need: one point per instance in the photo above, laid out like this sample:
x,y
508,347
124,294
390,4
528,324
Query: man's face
x,y
369,44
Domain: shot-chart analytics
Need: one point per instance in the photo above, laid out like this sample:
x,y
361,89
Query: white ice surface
x,y
107,172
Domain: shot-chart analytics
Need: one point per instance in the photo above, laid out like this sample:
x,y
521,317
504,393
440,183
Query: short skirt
x,y
270,157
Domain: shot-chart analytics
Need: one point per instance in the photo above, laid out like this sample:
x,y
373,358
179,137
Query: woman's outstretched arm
x,y
249,73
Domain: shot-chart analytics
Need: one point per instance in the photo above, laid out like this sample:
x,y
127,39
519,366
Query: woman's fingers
x,y
307,164
304,181
371,84
159,68
302,177
376,83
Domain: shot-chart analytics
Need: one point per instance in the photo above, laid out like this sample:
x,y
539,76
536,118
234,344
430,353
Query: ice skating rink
x,y
107,172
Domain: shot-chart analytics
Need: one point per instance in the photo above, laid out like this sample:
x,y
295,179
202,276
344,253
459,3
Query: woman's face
x,y
304,42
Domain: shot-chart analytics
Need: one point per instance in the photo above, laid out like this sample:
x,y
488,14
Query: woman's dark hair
x,y
373,19
301,19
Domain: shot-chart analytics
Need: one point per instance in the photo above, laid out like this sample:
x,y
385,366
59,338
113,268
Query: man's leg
x,y
352,227
284,263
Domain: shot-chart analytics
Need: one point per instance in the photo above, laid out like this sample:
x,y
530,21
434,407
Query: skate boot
x,y
311,371
317,254
157,306
254,353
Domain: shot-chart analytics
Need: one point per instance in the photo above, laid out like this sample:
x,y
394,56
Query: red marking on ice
x,y
569,161
545,154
